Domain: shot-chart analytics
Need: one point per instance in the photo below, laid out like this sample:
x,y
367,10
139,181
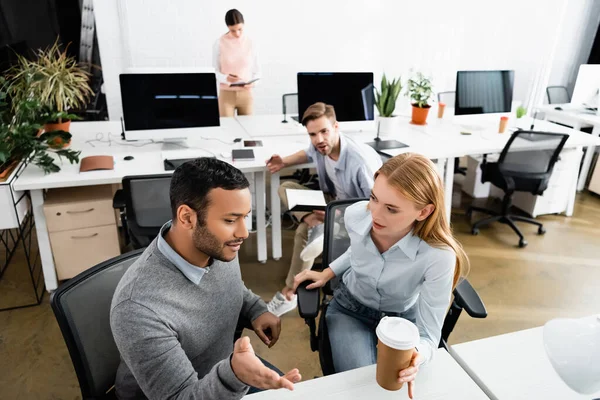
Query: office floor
x,y
556,275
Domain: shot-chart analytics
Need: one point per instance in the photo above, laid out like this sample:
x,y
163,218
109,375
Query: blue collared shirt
x,y
409,274
354,169
192,272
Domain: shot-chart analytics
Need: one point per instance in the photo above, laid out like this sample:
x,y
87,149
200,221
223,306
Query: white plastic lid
x,y
398,333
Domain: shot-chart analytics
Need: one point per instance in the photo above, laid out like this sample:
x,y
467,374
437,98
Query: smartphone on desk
x,y
242,155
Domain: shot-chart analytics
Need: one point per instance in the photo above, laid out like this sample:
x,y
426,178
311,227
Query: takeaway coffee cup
x,y
398,337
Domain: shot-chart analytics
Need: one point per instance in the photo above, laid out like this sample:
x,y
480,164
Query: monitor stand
x,y
174,144
380,145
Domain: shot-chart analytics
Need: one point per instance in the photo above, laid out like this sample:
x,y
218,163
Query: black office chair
x,y
82,310
310,303
520,171
289,105
447,98
368,100
558,95
144,206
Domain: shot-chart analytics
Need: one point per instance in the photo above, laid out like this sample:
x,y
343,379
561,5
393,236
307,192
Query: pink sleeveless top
x,y
235,57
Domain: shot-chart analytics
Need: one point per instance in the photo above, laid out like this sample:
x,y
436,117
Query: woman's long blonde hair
x,y
416,177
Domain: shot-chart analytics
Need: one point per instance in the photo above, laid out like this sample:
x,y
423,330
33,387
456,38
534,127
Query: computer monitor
x,y
343,90
587,85
168,105
483,92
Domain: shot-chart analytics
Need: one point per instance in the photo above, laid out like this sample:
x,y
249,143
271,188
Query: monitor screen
x,y
483,92
343,90
169,100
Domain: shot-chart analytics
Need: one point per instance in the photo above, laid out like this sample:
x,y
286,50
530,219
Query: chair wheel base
x,y
522,243
541,230
475,231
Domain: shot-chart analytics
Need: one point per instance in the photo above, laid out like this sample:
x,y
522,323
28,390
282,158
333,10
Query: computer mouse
x,y
558,108
226,154
128,158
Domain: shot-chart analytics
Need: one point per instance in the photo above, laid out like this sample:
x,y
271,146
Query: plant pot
x,y
419,115
58,143
387,125
6,169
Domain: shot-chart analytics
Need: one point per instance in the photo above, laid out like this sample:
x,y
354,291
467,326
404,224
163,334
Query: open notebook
x,y
305,200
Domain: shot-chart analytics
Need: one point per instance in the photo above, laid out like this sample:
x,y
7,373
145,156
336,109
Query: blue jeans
x,y
351,326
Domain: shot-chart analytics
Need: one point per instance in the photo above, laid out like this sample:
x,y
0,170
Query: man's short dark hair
x,y
192,181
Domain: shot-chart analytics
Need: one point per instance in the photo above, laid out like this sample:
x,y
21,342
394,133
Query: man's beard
x,y
208,244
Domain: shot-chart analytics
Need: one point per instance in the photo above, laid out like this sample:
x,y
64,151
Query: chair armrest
x,y
468,299
308,301
119,200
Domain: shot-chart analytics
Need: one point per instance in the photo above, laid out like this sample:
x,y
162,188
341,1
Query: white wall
x,y
575,43
437,37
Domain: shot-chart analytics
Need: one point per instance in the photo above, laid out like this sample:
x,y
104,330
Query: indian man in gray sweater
x,y
175,311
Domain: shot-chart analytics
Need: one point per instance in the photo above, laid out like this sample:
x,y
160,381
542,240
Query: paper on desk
x,y
305,200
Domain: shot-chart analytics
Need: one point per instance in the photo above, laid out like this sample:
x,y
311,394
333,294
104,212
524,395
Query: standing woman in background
x,y
235,60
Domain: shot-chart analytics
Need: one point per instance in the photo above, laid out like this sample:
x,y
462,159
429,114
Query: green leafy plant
x,y
52,78
19,128
419,90
385,100
521,111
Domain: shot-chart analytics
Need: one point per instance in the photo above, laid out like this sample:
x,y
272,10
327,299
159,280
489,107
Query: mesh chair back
x,y
290,103
448,98
532,162
336,237
147,197
368,99
558,95
82,309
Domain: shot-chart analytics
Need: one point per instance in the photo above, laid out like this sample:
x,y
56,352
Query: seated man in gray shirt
x,y
175,311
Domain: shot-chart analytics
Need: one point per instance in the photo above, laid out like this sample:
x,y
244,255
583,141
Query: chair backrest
x,y
558,95
532,162
368,99
82,310
336,239
448,98
289,102
147,199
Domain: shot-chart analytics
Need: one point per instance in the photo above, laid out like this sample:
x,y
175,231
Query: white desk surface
x,y
443,378
571,112
514,366
484,136
270,125
103,138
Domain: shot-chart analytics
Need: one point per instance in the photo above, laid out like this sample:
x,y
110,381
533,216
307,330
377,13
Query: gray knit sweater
x,y
175,337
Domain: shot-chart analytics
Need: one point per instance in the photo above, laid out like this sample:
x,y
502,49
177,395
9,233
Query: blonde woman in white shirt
x,y
403,261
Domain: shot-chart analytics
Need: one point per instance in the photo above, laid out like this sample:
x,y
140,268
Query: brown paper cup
x,y
397,339
503,123
441,108
389,364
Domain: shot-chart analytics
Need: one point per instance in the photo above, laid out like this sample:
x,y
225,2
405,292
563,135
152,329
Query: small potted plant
x,y
420,92
19,138
521,111
385,101
55,81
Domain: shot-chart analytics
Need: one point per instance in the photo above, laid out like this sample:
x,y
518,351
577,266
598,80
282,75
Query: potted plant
x,y
385,101
420,92
20,123
55,81
521,111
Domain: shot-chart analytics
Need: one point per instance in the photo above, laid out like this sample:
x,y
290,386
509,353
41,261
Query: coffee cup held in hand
x,y
398,338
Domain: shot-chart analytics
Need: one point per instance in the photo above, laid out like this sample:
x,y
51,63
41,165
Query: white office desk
x,y
577,117
92,138
514,366
443,378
